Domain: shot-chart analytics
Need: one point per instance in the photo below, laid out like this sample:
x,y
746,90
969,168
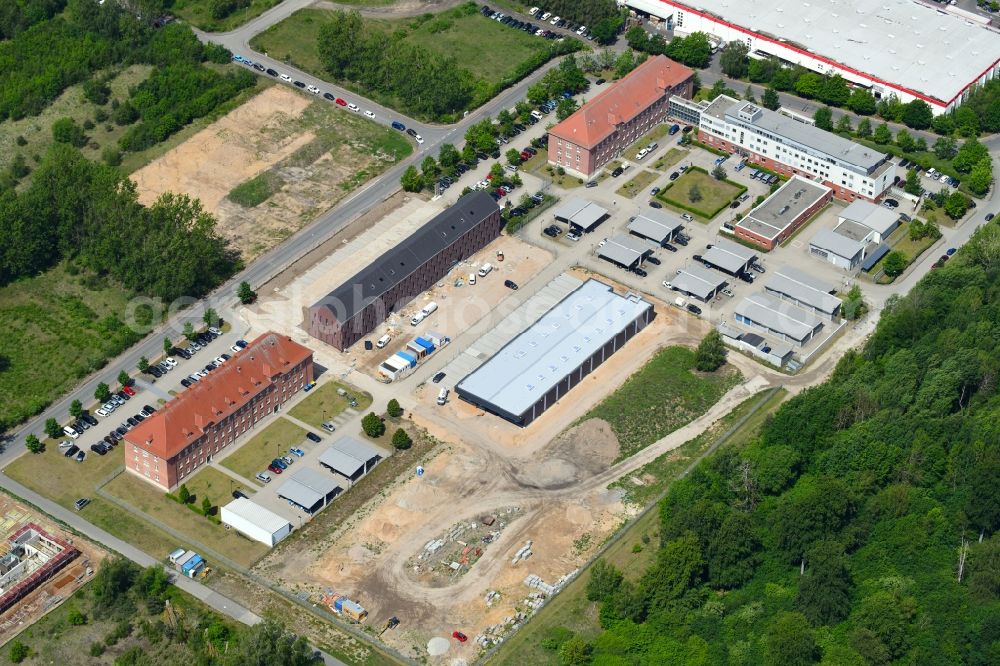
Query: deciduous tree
x,y
825,589
76,409
394,409
604,581
733,59
33,444
824,118
789,641
52,428
401,440
770,99
711,354
102,392
372,425
411,180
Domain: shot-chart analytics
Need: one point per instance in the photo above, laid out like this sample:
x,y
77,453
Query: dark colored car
x,y
655,204
698,257
124,396
71,451
271,72
510,284
693,309
313,437
438,377
121,432
186,382
132,421
299,84
600,82
149,410
411,131
328,96
675,175
989,216
746,277
99,449
89,419
617,172
592,183
239,494
669,248
653,260
155,371
735,204
396,125
638,271
681,240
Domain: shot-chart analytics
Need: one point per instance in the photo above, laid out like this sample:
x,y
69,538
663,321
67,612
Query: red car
x,y
341,102
459,636
525,155
499,192
129,390
274,469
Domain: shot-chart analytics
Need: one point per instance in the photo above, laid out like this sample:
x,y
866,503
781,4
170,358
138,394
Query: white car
x,y
555,19
943,178
73,434
263,477
582,29
642,153
219,360
235,349
354,107
687,217
214,331
171,361
313,89
194,376
285,78
418,138
370,114
546,15
102,412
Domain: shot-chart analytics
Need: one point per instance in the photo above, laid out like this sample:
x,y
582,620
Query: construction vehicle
x,y
391,623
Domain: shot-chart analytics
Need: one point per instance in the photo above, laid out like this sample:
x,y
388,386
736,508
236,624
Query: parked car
x,y
510,284
298,84
263,478
640,272
239,494
297,451
80,503
675,175
669,248
655,204
687,216
279,463
128,390
653,260
311,436
80,455
271,72
328,96
617,172
274,469
459,636
989,216
313,89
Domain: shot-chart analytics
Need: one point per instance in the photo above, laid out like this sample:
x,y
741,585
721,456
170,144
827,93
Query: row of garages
x,y
308,489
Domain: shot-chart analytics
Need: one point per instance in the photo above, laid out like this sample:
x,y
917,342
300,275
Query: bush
x,y
100,115
21,141
111,156
217,53
393,409
65,130
401,440
96,649
18,652
76,618
373,425
711,353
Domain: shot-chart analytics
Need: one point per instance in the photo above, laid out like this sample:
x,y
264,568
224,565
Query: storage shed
x,y
255,522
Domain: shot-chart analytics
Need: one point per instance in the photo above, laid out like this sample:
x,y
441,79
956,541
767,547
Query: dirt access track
x,y
314,152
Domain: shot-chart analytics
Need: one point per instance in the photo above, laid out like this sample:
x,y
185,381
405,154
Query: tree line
x,y
16,16
422,82
859,527
89,213
694,50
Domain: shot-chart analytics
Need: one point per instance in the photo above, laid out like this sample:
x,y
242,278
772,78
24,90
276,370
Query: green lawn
x,y
669,159
715,195
661,397
199,14
59,327
324,403
489,50
638,184
254,456
137,493
655,134
62,479
570,609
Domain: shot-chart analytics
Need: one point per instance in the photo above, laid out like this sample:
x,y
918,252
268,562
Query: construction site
x,y
40,567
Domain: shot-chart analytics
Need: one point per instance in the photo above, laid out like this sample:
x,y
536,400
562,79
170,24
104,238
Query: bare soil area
x,y
57,589
316,153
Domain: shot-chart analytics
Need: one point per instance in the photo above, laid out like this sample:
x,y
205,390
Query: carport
x,y
581,215
697,282
729,257
343,464
655,226
363,451
624,251
309,489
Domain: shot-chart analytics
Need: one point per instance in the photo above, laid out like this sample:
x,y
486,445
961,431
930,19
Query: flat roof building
x,y
790,147
656,226
621,113
351,458
899,48
837,249
356,307
867,222
781,318
697,282
254,521
581,214
804,290
780,215
551,356
199,422
624,251
729,257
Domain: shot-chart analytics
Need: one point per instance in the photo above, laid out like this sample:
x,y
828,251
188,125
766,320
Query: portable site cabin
x,y
193,566
410,359
436,338
417,349
426,345
351,609
183,559
176,555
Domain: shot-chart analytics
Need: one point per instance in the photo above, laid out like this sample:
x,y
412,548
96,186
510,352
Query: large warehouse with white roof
x,y
892,47
551,356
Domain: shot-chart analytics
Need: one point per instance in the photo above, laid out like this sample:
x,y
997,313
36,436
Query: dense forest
x,y
89,212
423,83
860,527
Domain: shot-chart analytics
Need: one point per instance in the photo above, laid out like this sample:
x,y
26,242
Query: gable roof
x,y
838,244
621,102
226,390
877,218
407,256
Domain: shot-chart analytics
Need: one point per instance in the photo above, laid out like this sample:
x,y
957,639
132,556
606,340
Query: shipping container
x,y
426,344
408,357
416,349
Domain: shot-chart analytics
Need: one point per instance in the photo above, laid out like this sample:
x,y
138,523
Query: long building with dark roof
x,y
356,307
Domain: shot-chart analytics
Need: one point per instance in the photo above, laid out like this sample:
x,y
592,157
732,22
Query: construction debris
x,y
453,553
523,554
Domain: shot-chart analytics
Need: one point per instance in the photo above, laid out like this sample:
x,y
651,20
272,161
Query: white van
x,y
536,114
472,278
417,318
430,308
383,341
485,269
443,396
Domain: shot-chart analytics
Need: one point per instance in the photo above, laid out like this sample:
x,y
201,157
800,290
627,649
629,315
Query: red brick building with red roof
x,y
603,127
176,441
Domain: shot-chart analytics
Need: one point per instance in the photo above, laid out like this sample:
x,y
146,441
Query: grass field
x,y
199,13
489,50
570,609
638,184
59,327
655,134
669,159
142,496
661,397
323,403
254,456
715,194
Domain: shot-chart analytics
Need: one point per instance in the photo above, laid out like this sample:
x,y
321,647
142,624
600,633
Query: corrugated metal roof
x,y
729,256
302,495
624,250
254,513
655,225
339,461
804,288
545,352
697,281
357,449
